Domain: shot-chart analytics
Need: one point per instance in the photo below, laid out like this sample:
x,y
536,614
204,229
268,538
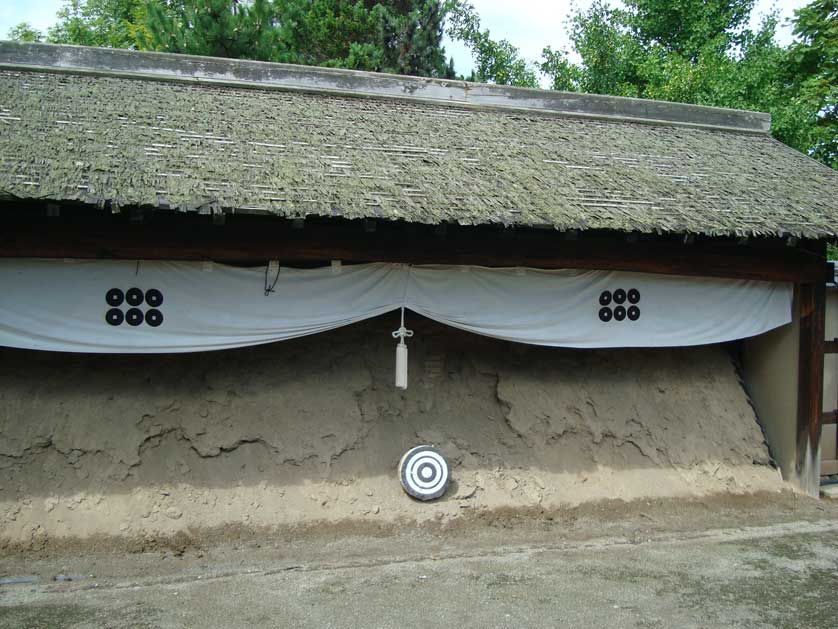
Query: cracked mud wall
x,y
312,430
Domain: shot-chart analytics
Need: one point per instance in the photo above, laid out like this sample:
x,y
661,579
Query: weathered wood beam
x,y
255,242
812,304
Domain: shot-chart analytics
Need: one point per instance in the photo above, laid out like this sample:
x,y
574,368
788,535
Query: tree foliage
x,y
107,23
494,61
25,32
218,28
688,28
702,52
400,36
813,71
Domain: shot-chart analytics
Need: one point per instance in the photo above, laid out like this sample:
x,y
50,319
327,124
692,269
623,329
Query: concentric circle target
x,y
605,298
134,296
423,472
633,296
619,296
633,313
605,314
619,313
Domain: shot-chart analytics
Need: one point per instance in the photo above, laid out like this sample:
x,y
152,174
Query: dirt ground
x,y
307,431
748,561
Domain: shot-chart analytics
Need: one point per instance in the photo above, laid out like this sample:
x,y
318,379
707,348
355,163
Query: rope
x,y
403,332
270,288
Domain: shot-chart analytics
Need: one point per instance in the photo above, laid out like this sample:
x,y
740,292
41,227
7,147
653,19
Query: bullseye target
x,y
423,472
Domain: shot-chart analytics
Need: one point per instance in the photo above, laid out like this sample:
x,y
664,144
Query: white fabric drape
x,y
61,306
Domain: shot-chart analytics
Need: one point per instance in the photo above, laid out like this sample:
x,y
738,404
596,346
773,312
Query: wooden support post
x,y
812,305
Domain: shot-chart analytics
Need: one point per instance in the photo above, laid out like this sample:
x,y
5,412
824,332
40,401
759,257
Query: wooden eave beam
x,y
254,241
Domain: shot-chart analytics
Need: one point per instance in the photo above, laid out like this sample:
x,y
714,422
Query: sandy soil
x,y
718,561
312,430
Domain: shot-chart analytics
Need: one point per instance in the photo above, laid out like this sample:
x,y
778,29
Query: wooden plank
x,y
254,241
812,307
828,468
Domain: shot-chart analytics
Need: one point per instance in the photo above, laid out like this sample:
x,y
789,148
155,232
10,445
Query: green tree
x,y
494,61
688,28
25,32
611,56
412,39
218,28
402,36
813,70
107,23
700,51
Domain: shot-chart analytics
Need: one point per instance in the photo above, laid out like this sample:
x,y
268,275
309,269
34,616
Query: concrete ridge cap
x,y
190,68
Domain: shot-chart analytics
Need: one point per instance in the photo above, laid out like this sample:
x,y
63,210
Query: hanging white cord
x,y
401,349
401,354
402,332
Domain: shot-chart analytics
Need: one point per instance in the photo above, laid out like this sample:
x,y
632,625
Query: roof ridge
x,y
268,75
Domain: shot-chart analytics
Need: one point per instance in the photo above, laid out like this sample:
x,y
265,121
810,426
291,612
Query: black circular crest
x,y
633,313
605,298
619,296
134,316
634,296
114,297
605,314
114,316
153,317
619,313
154,298
134,296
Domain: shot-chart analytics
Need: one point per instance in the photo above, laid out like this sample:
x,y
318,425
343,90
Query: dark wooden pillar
x,y
811,300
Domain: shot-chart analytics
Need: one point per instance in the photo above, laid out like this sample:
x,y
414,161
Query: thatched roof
x,y
120,128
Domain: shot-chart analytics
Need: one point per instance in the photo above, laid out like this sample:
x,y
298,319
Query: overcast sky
x,y
529,24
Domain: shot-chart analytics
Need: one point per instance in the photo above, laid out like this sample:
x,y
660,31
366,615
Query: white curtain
x,y
64,305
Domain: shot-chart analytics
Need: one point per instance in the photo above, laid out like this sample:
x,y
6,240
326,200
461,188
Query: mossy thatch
x,y
186,146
